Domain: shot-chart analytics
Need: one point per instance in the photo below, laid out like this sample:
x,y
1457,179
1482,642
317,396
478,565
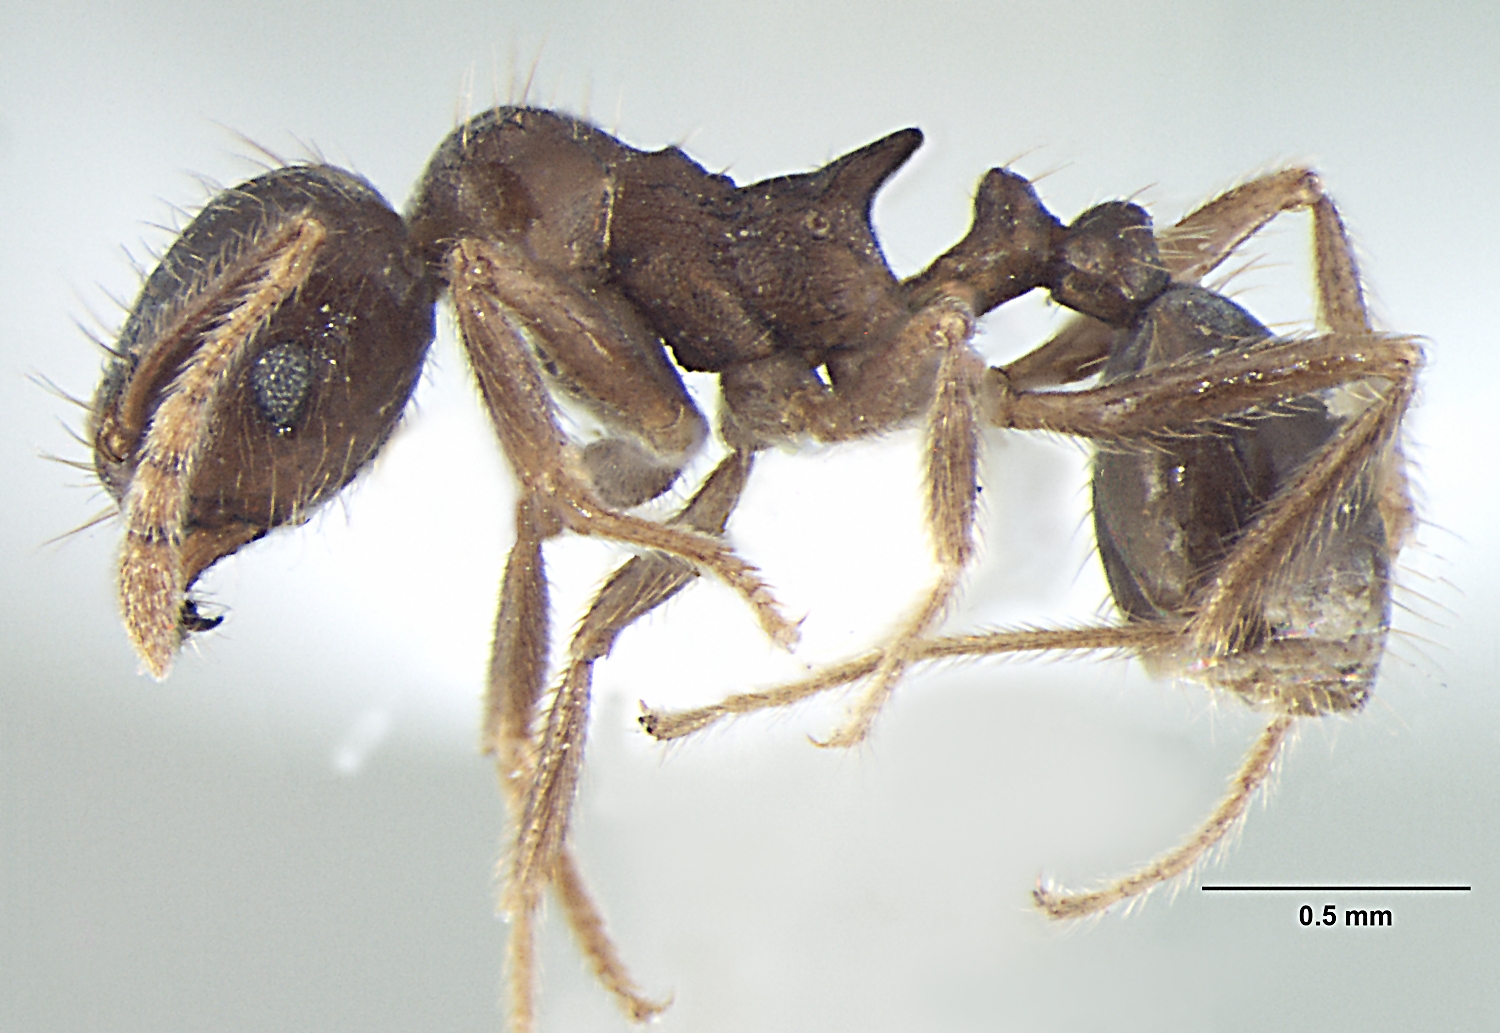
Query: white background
x,y
295,831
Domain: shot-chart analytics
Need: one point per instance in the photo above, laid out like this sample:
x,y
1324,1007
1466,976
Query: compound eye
x,y
282,379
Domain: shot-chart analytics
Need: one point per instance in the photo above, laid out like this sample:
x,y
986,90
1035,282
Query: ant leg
x,y
520,965
1355,464
1161,404
1257,768
939,334
594,941
522,411
1137,637
926,368
518,660
1074,353
638,587
1145,637
1205,237
518,669
539,769
1196,396
665,725
517,675
1363,461
952,486
649,580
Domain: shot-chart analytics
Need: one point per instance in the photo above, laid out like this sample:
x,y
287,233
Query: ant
x,y
272,351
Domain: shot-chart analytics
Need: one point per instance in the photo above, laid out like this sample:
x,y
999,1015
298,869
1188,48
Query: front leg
x,y
547,465
504,319
638,587
540,769
518,672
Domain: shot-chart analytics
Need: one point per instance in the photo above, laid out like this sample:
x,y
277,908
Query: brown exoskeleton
x,y
1249,495
272,351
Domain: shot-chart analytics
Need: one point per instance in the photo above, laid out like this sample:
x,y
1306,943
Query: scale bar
x,y
1336,889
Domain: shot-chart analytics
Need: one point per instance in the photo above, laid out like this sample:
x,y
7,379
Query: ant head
x,y
265,362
